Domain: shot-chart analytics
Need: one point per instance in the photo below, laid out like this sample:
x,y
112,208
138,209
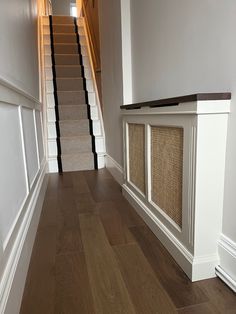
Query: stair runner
x,y
75,140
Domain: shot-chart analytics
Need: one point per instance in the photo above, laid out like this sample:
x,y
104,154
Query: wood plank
x,y
128,213
141,281
221,297
68,236
39,290
182,292
204,308
116,230
85,203
103,187
80,184
73,293
108,288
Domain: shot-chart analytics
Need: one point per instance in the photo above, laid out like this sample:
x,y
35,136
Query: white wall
x,y
18,44
178,48
61,7
22,158
112,82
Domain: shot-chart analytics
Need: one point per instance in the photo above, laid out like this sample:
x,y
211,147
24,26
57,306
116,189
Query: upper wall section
x,y
182,47
18,45
61,7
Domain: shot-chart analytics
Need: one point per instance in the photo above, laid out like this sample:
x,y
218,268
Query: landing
x,y
93,254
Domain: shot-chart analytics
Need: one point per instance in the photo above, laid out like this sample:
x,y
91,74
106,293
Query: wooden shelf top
x,y
175,101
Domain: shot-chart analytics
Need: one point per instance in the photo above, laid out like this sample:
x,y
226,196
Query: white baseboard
x,y
115,169
227,268
196,268
15,272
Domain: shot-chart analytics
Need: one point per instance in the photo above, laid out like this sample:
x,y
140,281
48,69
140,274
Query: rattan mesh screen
x,y
137,155
167,170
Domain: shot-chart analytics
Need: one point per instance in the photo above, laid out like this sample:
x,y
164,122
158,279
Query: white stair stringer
x,y
51,119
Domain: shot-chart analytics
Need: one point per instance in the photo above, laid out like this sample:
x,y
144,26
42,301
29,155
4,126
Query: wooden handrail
x,y
95,54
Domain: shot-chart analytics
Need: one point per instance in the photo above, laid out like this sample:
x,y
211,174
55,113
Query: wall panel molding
x,y
13,95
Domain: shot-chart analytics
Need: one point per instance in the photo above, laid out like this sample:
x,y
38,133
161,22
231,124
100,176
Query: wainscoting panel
x,y
22,184
13,181
38,121
30,143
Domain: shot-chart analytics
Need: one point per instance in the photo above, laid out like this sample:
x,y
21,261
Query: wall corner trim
x,y
16,268
115,169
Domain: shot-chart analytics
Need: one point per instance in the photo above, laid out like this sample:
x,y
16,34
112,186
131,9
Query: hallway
x,y
94,254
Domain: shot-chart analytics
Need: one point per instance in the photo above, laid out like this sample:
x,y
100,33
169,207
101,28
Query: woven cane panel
x,y
167,170
137,155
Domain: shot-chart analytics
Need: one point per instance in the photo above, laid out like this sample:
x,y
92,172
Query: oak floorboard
x,y
72,293
140,280
182,292
128,214
204,308
221,297
39,292
108,288
116,230
103,188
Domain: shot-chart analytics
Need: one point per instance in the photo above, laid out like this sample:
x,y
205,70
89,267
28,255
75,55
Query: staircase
x,y
76,122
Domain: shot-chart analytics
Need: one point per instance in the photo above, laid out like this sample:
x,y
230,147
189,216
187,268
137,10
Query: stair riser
x,y
73,113
67,60
63,29
69,71
77,162
62,20
66,48
74,128
73,146
64,39
69,84
71,98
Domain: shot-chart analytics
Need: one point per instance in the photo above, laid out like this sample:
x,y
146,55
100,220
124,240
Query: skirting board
x,y
15,273
227,268
195,268
115,169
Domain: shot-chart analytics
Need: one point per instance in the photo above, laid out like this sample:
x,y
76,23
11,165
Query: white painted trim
x,y
196,268
227,268
226,278
17,90
23,238
115,169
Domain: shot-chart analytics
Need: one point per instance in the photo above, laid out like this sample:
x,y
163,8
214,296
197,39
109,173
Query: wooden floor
x,y
93,254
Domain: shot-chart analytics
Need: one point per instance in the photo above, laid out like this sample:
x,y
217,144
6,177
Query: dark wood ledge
x,y
175,101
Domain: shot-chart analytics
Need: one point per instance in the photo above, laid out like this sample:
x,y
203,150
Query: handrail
x,y
176,100
94,80
95,56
